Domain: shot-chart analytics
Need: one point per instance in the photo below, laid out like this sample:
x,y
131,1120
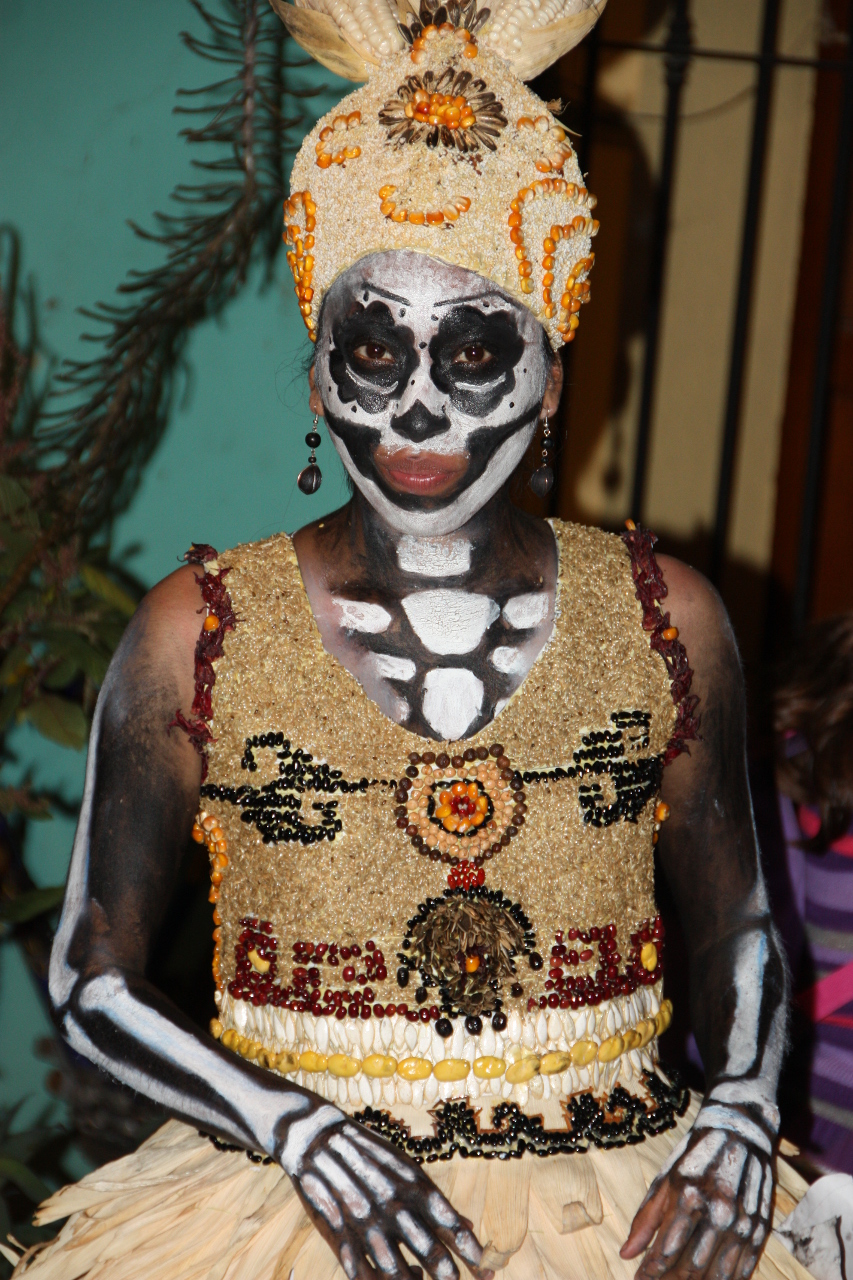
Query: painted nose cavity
x,y
418,424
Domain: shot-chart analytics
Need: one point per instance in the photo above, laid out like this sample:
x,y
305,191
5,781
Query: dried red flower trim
x,y
650,588
208,648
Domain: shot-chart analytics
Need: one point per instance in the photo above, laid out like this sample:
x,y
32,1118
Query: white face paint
x,y
449,621
453,697
522,612
434,557
432,382
359,615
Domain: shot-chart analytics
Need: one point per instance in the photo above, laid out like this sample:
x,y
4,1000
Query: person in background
x,y
813,723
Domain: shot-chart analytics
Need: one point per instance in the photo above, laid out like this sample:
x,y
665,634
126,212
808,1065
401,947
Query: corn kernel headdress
x,y
444,150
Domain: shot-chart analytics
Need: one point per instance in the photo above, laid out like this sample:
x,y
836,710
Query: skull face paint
x,y
431,382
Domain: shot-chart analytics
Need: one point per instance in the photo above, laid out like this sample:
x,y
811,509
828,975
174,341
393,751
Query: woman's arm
x,y
142,786
711,1206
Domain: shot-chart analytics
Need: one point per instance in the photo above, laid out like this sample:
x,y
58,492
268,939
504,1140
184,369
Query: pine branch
x,y
121,397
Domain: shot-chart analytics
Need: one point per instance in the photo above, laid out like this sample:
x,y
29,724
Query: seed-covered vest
x,y
456,941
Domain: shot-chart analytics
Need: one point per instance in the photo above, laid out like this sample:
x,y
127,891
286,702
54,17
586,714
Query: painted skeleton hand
x,y
367,1200
710,1205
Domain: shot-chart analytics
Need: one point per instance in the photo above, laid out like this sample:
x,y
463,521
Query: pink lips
x,y
430,474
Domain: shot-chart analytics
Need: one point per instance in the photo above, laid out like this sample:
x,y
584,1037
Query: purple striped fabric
x,y
822,888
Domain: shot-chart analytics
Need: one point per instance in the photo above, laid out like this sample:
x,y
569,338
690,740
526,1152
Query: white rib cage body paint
x,y
437,287
434,557
452,700
450,622
523,612
360,615
507,659
393,668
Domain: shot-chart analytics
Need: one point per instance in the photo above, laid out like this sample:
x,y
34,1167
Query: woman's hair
x,y
813,722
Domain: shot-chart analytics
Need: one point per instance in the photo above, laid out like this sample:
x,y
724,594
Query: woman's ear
x,y
314,402
553,387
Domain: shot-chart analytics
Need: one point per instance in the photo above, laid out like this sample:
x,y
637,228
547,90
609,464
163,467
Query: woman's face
x,y
431,382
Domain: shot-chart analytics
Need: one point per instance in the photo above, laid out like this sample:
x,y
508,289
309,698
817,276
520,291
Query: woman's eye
x,y
474,354
373,353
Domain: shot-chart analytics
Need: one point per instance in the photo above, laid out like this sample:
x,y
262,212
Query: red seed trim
x,y
650,588
208,648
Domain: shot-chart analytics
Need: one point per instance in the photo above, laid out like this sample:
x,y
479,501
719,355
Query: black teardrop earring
x,y
542,480
311,477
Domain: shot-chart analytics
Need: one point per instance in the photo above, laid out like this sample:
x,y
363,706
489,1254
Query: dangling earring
x,y
542,480
311,477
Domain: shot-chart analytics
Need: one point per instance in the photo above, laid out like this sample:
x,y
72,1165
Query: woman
x,y
439,741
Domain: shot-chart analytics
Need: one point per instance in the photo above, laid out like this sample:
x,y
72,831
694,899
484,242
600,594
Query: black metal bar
x,y
677,50
732,55
740,334
823,364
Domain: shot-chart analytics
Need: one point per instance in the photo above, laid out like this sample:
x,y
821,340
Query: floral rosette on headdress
x,y
444,151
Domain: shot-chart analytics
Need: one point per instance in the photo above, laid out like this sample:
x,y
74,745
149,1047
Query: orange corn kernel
x,y
469,51
417,218
670,633
324,160
434,217
662,809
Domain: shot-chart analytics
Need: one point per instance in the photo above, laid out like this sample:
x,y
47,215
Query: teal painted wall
x,y
88,140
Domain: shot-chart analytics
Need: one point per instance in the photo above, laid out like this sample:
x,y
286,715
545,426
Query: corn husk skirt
x,y
180,1209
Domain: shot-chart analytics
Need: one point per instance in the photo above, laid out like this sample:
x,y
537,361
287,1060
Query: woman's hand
x,y
367,1199
709,1208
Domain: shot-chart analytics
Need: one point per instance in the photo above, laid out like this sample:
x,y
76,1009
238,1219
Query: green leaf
x,y
12,496
77,649
9,703
105,589
36,902
62,674
58,719
24,1179
15,665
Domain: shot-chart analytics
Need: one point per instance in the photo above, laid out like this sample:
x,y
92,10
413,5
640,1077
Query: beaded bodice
x,y
402,922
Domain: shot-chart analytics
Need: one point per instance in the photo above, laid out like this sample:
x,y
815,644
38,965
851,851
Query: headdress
x,y
444,151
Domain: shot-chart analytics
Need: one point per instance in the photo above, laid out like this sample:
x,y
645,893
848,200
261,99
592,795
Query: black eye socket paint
x,y
368,326
476,387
